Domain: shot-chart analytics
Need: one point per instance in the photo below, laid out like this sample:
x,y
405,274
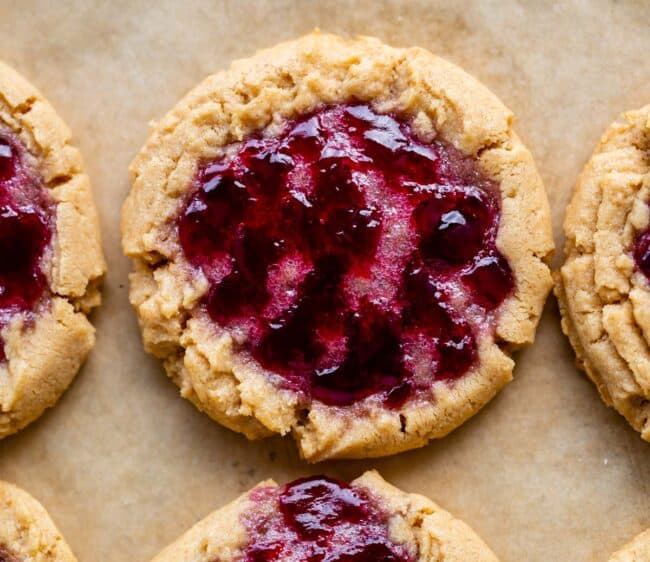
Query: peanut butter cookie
x,y
50,255
603,287
27,534
339,240
319,519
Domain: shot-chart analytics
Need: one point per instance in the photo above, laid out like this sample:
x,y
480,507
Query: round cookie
x,y
319,518
50,255
637,550
26,531
604,285
339,240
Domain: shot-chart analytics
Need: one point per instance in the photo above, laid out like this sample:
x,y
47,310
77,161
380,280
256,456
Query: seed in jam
x,y
346,254
319,519
25,232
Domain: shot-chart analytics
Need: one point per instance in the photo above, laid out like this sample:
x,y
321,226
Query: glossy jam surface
x,y
351,258
316,520
642,253
25,231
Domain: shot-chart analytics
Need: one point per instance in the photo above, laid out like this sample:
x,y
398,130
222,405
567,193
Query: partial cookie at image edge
x,y
45,350
26,530
436,532
604,297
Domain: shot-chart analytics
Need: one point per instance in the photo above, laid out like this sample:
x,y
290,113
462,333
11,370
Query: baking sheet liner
x,y
545,472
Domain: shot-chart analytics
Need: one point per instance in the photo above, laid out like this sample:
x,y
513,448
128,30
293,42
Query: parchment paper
x,y
545,473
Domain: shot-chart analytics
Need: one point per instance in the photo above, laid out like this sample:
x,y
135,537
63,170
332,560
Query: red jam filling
x,y
349,257
319,519
25,232
642,253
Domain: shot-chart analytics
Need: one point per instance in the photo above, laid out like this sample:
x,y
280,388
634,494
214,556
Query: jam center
x,y
25,232
351,258
319,519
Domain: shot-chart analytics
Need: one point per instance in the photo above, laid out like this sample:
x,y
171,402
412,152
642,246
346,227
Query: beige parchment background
x,y
544,473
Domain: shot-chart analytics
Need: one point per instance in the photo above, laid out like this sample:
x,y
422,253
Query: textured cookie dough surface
x,y
260,94
27,534
44,352
638,550
413,520
604,298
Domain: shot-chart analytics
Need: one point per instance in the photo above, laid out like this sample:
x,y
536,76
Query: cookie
x,y
26,531
339,240
638,550
604,285
50,255
319,518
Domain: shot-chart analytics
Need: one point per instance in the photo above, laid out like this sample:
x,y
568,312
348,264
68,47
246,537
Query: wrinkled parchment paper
x,y
544,473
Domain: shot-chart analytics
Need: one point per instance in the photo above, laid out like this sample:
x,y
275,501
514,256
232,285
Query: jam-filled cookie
x,y
50,255
604,285
27,534
638,550
341,240
320,519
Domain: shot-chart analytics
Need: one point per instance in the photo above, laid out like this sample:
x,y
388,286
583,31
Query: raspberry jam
x,y
349,257
319,519
25,232
642,253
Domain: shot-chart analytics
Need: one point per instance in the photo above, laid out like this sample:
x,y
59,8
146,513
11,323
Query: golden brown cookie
x,y
50,255
339,240
26,531
603,287
637,550
319,518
